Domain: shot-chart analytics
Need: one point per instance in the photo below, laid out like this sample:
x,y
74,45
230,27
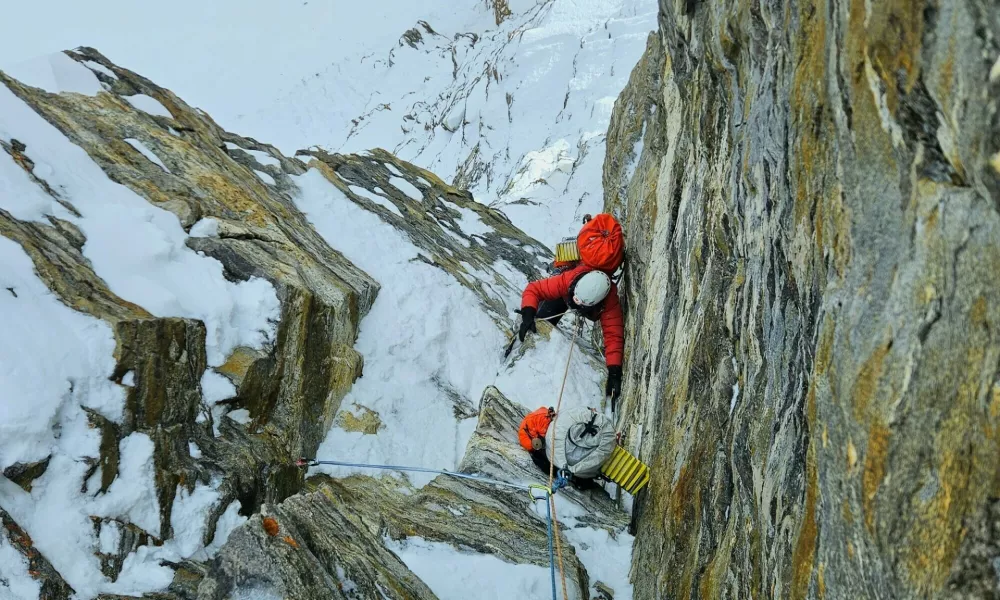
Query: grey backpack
x,y
579,441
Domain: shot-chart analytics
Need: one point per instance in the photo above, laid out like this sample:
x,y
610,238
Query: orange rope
x,y
552,497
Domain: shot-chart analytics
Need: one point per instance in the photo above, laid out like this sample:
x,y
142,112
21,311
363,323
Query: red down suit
x,y
609,311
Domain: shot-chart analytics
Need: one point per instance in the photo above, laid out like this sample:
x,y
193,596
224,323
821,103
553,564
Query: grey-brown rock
x,y
51,584
434,223
328,541
24,474
292,387
813,366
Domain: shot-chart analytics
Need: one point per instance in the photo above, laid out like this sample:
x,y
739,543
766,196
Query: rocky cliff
x,y
811,193
236,201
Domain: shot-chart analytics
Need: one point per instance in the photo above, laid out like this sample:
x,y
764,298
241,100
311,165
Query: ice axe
x,y
510,347
513,339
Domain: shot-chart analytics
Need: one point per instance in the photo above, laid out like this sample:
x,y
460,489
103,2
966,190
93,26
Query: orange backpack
x,y
599,245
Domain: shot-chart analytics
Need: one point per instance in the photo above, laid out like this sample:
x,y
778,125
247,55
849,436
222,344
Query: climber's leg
x,y
585,484
540,459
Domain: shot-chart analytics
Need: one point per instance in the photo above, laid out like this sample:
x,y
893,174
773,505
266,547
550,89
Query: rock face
x,y
291,391
811,194
456,233
327,542
305,539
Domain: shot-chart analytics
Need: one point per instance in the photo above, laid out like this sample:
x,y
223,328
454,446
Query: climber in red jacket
x,y
589,292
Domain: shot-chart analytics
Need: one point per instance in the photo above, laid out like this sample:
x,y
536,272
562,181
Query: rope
x,y
552,500
548,527
553,316
551,524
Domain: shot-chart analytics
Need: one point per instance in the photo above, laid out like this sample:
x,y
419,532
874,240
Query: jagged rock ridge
x,y
241,191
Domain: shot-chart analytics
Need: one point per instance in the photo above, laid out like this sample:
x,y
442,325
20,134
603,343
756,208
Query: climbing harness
x,y
551,523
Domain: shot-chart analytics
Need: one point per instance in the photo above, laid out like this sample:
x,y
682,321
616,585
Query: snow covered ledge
x,y
135,346
369,534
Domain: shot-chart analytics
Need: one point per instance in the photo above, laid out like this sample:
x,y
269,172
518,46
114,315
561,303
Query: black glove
x,y
614,387
527,322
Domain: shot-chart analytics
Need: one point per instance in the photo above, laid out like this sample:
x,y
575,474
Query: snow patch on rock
x,y
149,154
56,73
149,105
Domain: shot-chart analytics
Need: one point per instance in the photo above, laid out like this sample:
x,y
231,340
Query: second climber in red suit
x,y
592,294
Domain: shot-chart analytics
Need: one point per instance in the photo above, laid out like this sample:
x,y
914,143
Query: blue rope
x,y
552,557
303,462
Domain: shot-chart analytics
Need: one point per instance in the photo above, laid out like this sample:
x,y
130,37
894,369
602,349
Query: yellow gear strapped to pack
x,y
626,470
567,251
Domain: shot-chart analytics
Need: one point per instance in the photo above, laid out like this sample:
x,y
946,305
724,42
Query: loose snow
x,y
471,224
216,388
455,575
228,522
608,559
95,66
148,104
208,227
263,157
240,415
149,154
383,202
15,582
633,159
52,360
56,73
736,389
111,535
406,187
264,177
133,493
544,167
188,517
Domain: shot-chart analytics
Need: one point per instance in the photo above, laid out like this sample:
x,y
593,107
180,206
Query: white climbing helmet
x,y
591,289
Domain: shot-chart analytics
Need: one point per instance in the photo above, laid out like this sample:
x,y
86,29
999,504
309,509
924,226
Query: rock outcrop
x,y
327,542
311,538
811,193
457,234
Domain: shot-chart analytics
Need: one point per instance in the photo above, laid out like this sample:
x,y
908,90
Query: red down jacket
x,y
535,425
557,288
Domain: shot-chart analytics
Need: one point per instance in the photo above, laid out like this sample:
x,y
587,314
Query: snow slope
x,y
516,112
426,340
490,577
226,56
